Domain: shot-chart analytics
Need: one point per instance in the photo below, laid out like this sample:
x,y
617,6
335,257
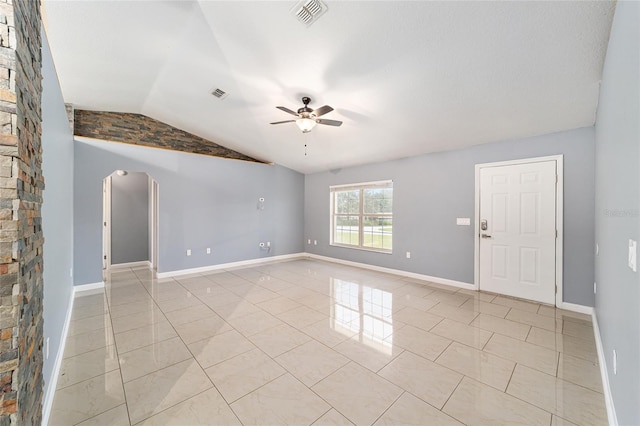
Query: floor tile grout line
x,y
391,405
445,403
251,391
325,413
530,403
88,378
527,402
124,392
326,377
435,361
101,413
451,395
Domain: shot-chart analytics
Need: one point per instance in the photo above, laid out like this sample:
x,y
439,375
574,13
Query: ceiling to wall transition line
x,y
406,78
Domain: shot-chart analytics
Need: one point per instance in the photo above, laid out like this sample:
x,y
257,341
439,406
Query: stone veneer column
x,y
21,240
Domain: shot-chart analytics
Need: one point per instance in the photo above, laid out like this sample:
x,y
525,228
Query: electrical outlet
x,y
595,287
208,250
615,362
188,252
632,255
315,242
268,243
309,241
408,255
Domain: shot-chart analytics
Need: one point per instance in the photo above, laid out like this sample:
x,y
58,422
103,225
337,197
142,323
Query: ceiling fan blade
x,y
287,110
322,110
329,122
286,121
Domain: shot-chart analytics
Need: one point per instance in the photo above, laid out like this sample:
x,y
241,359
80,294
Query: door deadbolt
x,y
483,225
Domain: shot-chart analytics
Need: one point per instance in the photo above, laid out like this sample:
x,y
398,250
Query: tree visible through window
x,y
362,216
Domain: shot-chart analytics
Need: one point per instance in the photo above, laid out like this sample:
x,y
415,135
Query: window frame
x,y
361,187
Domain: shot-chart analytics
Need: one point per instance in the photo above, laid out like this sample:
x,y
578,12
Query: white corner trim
x,y
130,264
582,309
608,397
47,404
230,265
88,287
399,272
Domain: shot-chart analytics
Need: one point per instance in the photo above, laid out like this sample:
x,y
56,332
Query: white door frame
x,y
106,223
153,210
559,159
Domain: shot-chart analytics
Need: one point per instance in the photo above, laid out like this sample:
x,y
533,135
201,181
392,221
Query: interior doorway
x,y
519,228
130,220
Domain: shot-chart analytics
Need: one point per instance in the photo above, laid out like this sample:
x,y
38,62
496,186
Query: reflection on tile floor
x,y
307,342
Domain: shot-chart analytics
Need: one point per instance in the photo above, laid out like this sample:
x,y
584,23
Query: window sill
x,y
362,248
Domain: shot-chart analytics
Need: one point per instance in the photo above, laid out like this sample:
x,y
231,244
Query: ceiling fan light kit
x,y
305,124
307,118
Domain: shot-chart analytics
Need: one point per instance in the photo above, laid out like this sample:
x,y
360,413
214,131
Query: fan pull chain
x,y
305,144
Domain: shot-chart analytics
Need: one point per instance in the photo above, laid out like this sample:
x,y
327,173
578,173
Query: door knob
x,y
485,236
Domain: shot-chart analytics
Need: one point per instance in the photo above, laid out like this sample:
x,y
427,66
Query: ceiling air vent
x,y
219,93
308,11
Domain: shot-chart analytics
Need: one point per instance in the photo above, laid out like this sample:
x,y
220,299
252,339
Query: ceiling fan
x,y
307,118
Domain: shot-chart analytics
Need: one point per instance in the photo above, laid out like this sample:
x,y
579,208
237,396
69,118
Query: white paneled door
x,y
517,226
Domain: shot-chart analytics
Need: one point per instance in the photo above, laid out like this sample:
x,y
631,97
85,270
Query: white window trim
x,y
361,187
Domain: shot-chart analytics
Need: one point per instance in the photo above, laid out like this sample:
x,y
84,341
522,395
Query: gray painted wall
x,y
129,218
203,202
57,210
617,207
430,191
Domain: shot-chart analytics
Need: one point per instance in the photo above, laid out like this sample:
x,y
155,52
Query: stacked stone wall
x,y
138,129
21,238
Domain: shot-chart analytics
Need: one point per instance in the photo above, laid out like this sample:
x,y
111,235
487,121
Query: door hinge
x,y
556,178
105,257
556,233
105,223
556,288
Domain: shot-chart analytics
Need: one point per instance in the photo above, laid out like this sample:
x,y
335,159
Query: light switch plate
x,y
465,221
633,245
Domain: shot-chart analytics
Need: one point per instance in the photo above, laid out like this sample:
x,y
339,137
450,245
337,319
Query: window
x,y
361,216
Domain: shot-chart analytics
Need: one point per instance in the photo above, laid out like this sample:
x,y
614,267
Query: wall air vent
x,y
219,93
308,11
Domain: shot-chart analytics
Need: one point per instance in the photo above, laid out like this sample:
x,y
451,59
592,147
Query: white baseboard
x,y
88,287
608,397
437,280
230,265
588,310
47,403
143,263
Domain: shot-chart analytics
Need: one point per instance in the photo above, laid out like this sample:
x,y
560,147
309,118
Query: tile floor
x,y
307,342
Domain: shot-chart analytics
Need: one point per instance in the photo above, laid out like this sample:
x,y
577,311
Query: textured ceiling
x,y
405,77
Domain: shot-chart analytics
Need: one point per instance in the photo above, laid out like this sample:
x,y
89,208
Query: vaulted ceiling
x,y
406,78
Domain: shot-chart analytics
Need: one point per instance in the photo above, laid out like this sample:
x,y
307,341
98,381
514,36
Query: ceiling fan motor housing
x,y
305,109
